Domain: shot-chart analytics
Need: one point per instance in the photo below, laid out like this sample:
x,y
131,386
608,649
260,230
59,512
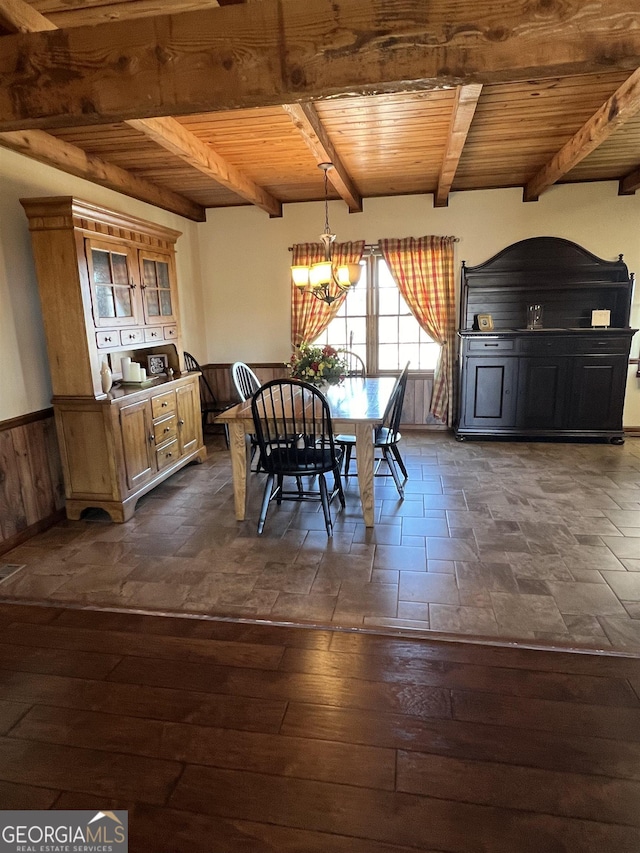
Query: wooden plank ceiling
x,y
501,130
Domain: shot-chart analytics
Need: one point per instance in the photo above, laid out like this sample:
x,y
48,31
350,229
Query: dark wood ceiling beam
x,y
20,17
619,108
173,137
630,183
274,52
307,121
464,109
62,155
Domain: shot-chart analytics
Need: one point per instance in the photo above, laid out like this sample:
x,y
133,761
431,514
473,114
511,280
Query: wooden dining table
x,y
357,406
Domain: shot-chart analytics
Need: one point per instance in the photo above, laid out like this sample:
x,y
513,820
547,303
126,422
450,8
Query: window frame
x,y
370,260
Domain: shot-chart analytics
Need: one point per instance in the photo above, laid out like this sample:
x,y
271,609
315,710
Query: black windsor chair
x,y
295,438
386,437
209,404
355,365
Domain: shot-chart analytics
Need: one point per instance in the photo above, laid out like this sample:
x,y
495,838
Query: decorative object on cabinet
x,y
534,316
108,290
485,322
106,377
157,364
568,379
601,319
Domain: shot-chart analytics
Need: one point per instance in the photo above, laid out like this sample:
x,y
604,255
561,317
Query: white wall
x,y
25,384
233,269
245,260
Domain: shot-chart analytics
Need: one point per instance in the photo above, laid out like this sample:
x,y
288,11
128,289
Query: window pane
x,y
149,268
105,302
388,302
101,268
153,306
163,274
120,269
165,303
388,357
388,330
123,302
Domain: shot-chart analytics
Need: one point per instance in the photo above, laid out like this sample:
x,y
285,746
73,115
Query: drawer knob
x,y
152,438
108,340
165,404
181,422
167,429
169,455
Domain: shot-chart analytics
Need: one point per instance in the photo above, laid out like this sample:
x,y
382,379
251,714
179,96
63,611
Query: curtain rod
x,y
371,247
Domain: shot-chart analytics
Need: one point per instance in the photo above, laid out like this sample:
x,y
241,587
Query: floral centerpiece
x,y
317,365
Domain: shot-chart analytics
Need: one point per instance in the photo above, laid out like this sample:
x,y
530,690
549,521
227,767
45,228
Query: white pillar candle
x,y
135,371
143,374
125,365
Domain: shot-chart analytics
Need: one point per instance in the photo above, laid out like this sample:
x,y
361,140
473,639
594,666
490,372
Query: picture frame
x,y
485,322
157,364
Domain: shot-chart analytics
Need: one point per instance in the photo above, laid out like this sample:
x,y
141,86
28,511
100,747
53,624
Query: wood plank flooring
x,y
228,737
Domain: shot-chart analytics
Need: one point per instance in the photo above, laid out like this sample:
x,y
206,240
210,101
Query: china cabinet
x,y
560,376
108,290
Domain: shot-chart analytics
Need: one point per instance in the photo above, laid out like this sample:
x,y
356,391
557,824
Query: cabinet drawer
x,y
545,345
167,454
165,429
153,335
601,343
163,404
170,332
491,345
106,340
131,336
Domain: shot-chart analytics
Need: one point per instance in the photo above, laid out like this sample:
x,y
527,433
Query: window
x,y
375,322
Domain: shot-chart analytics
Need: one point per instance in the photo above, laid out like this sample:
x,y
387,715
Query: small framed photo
x,y
157,364
485,322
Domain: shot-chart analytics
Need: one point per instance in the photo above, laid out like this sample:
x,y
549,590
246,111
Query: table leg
x,y
364,454
239,467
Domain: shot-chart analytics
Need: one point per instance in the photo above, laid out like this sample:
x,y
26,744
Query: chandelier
x,y
325,280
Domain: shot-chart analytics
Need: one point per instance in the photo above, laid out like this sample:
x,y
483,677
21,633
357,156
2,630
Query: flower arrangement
x,y
317,365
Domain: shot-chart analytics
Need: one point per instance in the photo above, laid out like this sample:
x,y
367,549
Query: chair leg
x,y
394,470
347,460
324,497
396,452
265,503
337,485
279,489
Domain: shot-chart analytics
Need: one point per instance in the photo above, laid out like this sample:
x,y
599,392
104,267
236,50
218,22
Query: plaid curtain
x,y
423,270
310,316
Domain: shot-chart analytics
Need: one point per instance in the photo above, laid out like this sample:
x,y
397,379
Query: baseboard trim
x,y
31,531
30,418
632,431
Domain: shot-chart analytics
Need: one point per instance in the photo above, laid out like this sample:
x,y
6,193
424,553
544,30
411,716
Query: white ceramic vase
x,y
106,378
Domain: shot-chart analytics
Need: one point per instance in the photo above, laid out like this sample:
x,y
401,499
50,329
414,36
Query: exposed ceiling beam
x,y
172,136
47,149
307,121
619,108
20,17
630,183
279,51
463,111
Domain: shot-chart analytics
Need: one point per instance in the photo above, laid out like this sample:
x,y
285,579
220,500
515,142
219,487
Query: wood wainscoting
x,y
415,412
31,483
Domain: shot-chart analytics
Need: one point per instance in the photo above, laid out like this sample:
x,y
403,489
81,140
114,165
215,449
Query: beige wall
x,y
25,384
233,269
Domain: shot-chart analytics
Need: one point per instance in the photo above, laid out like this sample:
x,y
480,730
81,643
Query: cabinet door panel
x,y
156,272
541,393
113,280
135,422
597,393
488,392
189,421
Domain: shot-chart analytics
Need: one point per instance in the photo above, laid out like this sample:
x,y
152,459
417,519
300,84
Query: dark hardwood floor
x,y
228,737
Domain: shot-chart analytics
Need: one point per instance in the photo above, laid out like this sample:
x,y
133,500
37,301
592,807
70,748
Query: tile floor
x,y
533,542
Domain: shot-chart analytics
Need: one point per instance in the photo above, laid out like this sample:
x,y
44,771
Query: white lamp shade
x,y
348,275
300,276
320,273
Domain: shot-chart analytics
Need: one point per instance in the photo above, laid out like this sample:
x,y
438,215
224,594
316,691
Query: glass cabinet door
x,y
156,273
113,284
